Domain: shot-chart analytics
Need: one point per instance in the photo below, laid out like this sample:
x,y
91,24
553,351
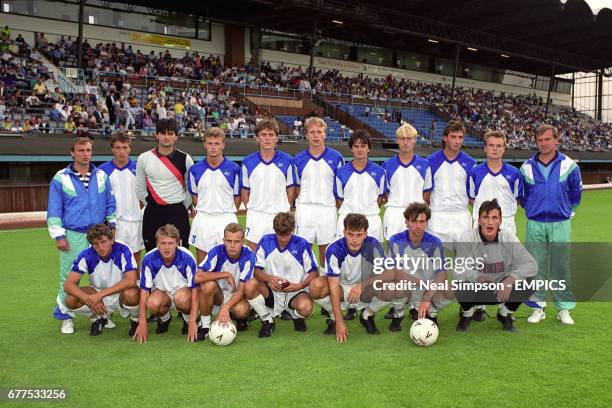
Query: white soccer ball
x,y
424,332
222,334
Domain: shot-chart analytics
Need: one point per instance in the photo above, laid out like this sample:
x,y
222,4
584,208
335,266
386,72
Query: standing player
x,y
223,276
315,207
166,281
496,179
408,178
160,184
284,269
267,183
360,186
111,268
417,244
448,199
553,189
79,196
122,174
349,265
214,184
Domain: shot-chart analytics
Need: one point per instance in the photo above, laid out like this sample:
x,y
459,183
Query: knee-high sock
x,y
259,305
133,311
325,304
437,304
398,307
373,307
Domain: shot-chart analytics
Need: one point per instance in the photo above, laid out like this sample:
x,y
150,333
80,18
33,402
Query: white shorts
x,y
374,229
276,302
507,224
316,224
394,221
258,224
207,229
130,233
448,226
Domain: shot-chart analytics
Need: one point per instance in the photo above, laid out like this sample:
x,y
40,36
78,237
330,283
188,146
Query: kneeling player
x,y
112,280
285,267
349,263
426,252
503,260
223,274
166,281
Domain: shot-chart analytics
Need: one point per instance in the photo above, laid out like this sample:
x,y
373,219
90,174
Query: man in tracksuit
x,y
552,192
79,196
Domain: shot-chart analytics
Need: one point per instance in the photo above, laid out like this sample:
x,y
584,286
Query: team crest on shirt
x,y
294,251
372,173
280,164
508,176
226,173
330,161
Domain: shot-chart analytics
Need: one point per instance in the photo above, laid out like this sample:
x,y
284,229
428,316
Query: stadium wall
x,y
54,29
352,68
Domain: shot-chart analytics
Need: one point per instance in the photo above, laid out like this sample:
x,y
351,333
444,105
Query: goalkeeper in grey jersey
x,y
497,260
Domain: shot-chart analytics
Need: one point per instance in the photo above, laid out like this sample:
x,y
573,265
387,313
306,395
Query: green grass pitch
x,y
540,365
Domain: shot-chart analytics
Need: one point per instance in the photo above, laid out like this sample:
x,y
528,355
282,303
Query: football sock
x,y
165,317
205,321
133,311
259,305
325,304
503,310
398,307
468,313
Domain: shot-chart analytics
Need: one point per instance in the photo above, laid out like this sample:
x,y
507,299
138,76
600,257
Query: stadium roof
x,y
533,34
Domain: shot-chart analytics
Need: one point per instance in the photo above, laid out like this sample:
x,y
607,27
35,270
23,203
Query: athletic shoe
x,y
110,324
97,326
266,329
324,312
331,327
564,317
506,322
133,327
185,328
299,325
414,314
536,316
285,315
480,313
396,324
369,324
242,324
350,313
67,326
389,315
464,323
162,327
202,333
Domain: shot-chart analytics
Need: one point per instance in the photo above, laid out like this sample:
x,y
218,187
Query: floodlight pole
x,y
455,69
313,44
599,88
550,85
80,37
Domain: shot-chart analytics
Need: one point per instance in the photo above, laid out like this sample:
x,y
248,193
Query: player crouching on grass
x,y
426,252
166,281
112,280
284,268
348,277
223,275
500,258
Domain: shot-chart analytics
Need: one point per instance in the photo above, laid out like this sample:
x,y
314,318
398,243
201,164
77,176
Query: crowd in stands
x,y
113,102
